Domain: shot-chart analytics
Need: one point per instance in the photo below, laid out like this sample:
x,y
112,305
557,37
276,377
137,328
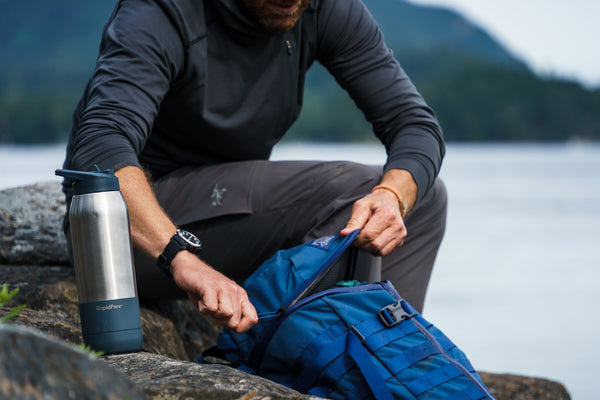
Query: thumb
x,y
353,224
361,211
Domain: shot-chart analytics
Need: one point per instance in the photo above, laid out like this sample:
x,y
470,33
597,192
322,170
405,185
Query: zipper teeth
x,y
328,292
299,302
263,340
284,313
314,280
385,285
444,353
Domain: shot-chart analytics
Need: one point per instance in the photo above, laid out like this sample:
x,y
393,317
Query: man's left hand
x,y
379,217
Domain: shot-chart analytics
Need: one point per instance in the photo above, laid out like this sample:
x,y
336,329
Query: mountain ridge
x,y
49,50
445,28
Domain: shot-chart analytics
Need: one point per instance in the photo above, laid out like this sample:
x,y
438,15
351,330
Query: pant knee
x,y
432,209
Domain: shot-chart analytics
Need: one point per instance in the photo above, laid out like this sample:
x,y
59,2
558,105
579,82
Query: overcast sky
x,y
555,37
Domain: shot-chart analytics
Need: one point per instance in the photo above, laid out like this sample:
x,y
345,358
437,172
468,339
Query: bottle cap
x,y
92,181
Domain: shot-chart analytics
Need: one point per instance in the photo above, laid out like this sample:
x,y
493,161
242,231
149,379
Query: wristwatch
x,y
181,240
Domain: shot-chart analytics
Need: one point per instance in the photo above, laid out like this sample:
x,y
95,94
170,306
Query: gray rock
x,y
163,378
31,225
164,370
515,387
52,306
34,365
197,331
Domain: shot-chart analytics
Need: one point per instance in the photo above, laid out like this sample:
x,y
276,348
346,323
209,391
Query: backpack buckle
x,y
393,314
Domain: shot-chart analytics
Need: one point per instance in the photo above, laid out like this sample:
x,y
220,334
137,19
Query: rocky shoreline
x,y
39,357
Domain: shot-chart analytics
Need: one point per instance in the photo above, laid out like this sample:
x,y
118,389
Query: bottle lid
x,y
92,181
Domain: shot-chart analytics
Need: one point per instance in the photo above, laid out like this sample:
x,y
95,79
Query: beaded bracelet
x,y
400,201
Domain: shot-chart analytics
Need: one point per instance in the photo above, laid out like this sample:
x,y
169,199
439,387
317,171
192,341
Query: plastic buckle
x,y
393,314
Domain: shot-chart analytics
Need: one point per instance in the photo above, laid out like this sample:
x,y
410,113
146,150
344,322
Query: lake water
x,y
517,281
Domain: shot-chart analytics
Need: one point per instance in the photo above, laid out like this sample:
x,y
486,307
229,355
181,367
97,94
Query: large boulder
x,y
174,329
34,365
31,225
516,387
163,378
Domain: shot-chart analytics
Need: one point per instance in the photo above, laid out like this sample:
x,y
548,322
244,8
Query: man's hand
x,y
151,229
378,215
214,293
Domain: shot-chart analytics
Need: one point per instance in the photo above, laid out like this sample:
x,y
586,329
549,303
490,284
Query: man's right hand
x,y
151,229
213,293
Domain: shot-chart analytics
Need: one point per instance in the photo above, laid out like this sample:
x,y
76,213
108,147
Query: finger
x,y
390,247
249,317
380,229
225,305
234,318
195,299
215,303
360,215
381,243
209,302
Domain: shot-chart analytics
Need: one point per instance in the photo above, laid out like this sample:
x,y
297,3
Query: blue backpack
x,y
323,334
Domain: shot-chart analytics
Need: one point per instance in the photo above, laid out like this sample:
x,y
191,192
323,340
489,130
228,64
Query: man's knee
x,y
347,176
439,196
435,203
440,207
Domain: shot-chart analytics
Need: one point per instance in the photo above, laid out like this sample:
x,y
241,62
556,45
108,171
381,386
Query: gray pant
x,y
243,212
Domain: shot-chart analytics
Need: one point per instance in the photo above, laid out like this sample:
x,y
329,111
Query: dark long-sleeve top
x,y
195,82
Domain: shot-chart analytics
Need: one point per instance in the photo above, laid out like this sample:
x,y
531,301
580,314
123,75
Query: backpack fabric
x,y
323,334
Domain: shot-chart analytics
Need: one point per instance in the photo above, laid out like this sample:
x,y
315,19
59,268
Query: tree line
x,y
475,103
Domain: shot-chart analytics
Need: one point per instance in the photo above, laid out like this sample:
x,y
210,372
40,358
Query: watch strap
x,y
176,244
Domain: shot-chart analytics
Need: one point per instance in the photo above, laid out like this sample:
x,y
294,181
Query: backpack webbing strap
x,y
321,351
331,345
325,352
362,358
433,378
469,393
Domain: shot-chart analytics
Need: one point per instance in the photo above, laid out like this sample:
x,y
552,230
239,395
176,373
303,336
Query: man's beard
x,y
269,19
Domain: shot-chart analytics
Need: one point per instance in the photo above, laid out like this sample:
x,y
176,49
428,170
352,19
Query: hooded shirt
x,y
182,83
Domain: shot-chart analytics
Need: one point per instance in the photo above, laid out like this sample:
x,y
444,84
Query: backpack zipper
x,y
264,339
448,357
386,286
360,288
326,265
285,312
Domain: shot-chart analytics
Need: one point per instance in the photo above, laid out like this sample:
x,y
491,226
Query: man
x,y
185,103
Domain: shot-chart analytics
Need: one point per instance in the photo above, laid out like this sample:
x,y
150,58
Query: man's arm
x,y
378,214
351,46
151,229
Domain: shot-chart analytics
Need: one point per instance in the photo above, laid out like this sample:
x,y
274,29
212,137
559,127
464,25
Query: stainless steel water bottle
x,y
103,261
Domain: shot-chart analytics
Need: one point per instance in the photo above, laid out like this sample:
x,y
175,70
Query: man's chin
x,y
278,24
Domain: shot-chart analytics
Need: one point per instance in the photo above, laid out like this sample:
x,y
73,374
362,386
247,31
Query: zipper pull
x,y
347,283
288,44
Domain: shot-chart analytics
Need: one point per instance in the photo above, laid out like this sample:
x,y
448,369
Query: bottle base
x,y
115,342
112,326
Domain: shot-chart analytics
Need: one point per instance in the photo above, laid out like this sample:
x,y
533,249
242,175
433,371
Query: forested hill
x,y
412,28
479,90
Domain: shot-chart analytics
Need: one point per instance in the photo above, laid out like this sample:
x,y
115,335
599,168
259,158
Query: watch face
x,y
190,238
